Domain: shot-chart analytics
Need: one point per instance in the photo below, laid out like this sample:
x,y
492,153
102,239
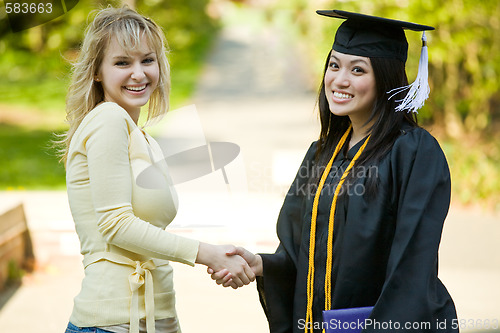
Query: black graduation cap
x,y
372,36
379,37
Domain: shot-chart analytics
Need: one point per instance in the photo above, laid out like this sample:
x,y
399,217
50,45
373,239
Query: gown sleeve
x,y
412,294
277,285
107,143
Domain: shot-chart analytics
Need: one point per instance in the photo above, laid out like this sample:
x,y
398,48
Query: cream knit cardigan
x,y
120,222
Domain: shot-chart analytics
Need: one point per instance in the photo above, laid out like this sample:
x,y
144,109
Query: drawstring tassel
x,y
419,90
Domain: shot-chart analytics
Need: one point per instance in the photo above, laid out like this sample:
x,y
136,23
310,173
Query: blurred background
x,y
463,109
252,69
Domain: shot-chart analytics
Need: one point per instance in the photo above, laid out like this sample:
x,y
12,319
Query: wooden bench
x,y
16,249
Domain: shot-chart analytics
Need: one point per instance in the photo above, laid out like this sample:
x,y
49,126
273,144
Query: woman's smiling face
x,y
350,86
129,78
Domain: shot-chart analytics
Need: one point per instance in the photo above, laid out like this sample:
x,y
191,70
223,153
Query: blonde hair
x,y
127,26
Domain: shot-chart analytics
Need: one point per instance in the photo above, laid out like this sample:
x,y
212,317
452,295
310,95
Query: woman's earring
x,y
97,79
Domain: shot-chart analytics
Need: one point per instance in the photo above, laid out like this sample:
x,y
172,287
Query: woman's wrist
x,y
205,252
258,269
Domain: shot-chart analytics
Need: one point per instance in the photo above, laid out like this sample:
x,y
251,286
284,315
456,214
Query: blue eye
x,y
121,63
148,60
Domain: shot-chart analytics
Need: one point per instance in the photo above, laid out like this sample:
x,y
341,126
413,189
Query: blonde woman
x,y
128,280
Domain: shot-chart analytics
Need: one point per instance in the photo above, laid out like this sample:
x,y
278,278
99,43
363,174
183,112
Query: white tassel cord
x,y
419,90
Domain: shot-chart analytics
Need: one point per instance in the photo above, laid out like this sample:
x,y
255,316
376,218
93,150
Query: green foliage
x,y
35,63
190,32
28,160
35,67
464,66
464,53
475,176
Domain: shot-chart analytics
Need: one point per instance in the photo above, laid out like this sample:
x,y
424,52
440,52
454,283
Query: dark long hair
x,y
389,74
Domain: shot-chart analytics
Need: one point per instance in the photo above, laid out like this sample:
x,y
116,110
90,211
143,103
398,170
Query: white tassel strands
x,y
419,90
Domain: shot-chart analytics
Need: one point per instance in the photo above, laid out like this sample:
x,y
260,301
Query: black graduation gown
x,y
385,251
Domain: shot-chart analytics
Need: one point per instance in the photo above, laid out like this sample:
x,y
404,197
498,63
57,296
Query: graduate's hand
x,y
254,261
236,270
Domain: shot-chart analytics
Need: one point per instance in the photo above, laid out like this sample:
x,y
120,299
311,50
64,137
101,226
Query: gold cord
x,y
312,239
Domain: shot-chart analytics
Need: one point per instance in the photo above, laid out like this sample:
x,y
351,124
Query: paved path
x,y
252,93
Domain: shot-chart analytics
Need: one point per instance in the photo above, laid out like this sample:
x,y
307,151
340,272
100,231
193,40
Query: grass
x,y
32,110
46,95
27,160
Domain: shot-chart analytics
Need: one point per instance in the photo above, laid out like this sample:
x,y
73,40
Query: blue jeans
x,y
73,329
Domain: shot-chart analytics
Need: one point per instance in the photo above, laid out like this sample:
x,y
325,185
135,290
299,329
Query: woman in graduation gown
x,y
362,221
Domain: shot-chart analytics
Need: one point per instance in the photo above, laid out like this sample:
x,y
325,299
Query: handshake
x,y
228,265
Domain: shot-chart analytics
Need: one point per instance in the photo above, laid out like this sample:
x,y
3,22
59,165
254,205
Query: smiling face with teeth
x,y
350,86
128,78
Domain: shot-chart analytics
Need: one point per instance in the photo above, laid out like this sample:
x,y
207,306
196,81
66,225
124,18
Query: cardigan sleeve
x,y
106,142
